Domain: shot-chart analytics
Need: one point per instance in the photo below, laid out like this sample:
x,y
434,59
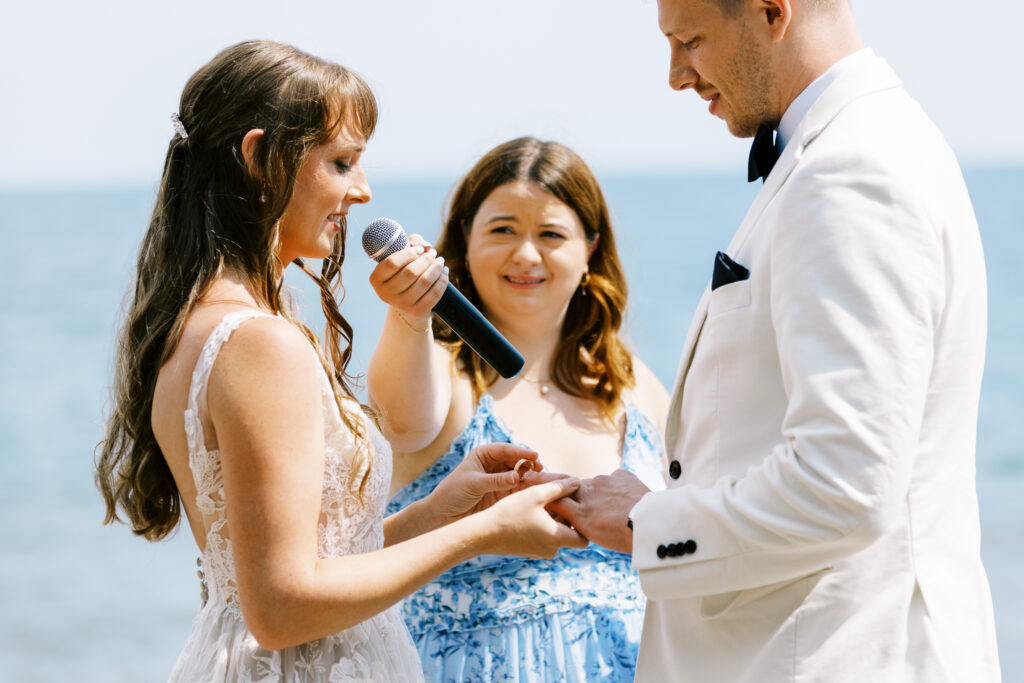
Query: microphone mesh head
x,y
382,238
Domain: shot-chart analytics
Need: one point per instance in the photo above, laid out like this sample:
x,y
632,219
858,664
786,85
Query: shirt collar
x,y
806,99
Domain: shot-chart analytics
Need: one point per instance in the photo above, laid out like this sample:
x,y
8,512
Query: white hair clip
x,y
179,127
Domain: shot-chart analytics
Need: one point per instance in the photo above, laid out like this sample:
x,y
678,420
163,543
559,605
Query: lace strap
x,y
201,376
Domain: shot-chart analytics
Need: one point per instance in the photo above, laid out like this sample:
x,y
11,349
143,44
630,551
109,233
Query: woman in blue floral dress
x,y
528,240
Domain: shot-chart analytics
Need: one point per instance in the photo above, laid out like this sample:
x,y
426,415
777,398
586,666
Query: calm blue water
x,y
83,602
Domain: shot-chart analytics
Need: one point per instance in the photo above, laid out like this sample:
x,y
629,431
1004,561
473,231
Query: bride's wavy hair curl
x,y
590,360
214,211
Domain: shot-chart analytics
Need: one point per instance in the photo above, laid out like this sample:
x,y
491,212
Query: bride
x,y
230,409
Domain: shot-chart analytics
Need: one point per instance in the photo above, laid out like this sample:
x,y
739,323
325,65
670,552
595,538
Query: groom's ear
x,y
775,16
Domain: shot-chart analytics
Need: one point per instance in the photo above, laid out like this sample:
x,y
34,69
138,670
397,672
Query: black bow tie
x,y
763,154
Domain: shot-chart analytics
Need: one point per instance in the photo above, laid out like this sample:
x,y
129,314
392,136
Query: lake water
x,y
83,602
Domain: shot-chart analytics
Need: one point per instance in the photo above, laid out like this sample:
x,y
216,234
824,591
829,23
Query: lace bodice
x,y
346,525
220,647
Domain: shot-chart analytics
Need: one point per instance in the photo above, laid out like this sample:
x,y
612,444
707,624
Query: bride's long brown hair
x,y
213,212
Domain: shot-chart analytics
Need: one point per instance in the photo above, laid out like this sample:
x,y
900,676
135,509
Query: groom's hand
x,y
600,509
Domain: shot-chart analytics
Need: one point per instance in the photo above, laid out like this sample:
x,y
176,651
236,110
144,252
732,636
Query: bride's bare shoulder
x,y
265,349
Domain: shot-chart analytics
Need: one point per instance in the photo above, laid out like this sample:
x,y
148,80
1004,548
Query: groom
x,y
821,519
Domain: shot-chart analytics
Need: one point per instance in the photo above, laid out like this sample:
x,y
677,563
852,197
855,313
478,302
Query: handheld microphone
x,y
383,237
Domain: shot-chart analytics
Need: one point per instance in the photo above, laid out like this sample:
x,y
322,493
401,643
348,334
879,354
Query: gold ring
x,y
522,461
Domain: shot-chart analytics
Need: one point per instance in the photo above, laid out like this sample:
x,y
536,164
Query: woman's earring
x,y
584,282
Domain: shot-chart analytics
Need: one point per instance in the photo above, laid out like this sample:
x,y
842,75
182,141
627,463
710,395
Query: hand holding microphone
x,y
411,280
384,237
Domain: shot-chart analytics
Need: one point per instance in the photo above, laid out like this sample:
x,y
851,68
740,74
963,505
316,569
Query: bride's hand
x,y
486,475
520,524
536,479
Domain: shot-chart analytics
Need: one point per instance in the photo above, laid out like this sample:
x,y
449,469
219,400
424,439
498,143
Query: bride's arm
x,y
408,378
484,476
265,405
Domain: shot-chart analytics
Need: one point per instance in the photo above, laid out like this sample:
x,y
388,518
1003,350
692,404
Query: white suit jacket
x,y
822,520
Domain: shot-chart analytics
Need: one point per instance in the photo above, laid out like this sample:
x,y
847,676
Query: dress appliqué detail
x,y
220,647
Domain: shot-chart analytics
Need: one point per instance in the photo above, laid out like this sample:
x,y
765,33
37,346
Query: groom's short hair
x,y
731,8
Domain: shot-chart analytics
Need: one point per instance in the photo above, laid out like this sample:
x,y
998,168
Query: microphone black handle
x,y
477,331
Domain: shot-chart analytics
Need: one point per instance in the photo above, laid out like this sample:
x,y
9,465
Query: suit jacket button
x,y
662,552
674,469
677,549
690,547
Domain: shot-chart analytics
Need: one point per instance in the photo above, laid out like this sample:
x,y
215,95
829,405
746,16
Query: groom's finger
x,y
566,508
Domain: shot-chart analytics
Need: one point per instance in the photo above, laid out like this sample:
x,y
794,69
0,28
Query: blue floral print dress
x,y
575,617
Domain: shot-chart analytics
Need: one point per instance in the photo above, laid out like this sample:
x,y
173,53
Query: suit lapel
x,y
672,424
876,76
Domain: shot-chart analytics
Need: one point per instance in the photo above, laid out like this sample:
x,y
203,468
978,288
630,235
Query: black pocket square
x,y
727,271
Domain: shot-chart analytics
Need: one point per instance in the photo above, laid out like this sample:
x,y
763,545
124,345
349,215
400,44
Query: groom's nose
x,y
681,74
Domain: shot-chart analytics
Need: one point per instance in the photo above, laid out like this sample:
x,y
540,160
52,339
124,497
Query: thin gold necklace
x,y
210,302
542,384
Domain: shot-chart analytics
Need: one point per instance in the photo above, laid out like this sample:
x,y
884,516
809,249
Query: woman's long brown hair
x,y
213,212
590,360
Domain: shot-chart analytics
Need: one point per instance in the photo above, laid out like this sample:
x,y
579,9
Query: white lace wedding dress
x,y
220,647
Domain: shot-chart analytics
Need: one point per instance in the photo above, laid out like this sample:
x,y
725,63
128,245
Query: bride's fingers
x,y
535,478
497,457
557,489
564,507
569,537
562,533
484,483
558,518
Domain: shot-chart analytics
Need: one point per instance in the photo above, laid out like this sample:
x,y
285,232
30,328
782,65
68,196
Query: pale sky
x,y
87,88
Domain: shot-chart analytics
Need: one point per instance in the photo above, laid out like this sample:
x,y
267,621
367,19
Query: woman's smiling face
x,y
526,253
329,181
